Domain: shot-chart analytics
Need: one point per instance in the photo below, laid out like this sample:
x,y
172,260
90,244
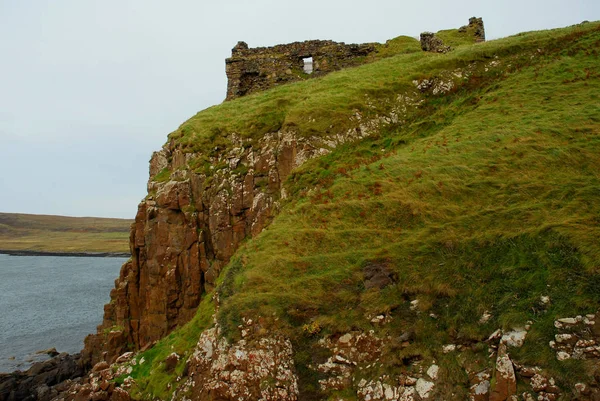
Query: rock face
x,y
187,229
256,69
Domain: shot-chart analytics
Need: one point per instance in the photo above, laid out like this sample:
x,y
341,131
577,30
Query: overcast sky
x,y
89,88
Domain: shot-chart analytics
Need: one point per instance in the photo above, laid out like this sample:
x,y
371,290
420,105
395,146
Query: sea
x,y
50,302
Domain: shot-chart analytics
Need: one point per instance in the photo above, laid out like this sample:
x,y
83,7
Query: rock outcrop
x,y
578,338
258,370
189,226
506,381
43,380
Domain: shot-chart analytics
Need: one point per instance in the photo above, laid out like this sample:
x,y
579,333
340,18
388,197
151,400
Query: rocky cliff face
x,y
201,206
189,226
194,218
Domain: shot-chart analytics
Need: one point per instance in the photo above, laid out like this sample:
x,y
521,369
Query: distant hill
x,y
40,234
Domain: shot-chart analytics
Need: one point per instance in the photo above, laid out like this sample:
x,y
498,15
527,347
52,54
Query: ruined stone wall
x,y
257,69
476,24
187,229
432,43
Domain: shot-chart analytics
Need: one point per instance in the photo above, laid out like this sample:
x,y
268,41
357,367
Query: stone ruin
x,y
257,69
432,43
252,70
477,25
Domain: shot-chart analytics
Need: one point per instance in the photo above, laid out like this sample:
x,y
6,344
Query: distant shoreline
x,y
72,254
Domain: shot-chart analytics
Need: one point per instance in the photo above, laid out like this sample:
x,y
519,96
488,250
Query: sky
x,y
89,89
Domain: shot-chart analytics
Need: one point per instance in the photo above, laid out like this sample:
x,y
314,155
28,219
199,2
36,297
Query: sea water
x,y
50,301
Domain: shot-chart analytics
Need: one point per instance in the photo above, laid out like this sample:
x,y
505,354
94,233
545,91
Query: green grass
x,y
151,377
454,38
324,106
484,200
486,203
46,233
396,46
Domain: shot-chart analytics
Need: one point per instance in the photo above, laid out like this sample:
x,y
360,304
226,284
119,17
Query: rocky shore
x,y
43,380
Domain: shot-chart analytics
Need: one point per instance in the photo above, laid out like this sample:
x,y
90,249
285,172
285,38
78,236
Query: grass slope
x,y
324,106
485,200
44,233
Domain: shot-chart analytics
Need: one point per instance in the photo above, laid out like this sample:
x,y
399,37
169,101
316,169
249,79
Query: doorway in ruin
x,y
308,65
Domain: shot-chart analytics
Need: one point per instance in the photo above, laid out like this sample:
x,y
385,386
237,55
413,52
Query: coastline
x,y
72,254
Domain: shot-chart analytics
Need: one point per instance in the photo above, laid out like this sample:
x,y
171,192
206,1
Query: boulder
x,y
506,381
171,362
378,275
36,383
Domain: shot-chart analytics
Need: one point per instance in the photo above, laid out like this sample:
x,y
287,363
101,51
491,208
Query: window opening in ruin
x,y
308,65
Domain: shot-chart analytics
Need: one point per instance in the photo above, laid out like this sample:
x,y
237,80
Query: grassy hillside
x,y
327,105
484,200
43,233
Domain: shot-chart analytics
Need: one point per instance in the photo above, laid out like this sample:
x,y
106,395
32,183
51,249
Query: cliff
x,y
209,191
188,228
422,226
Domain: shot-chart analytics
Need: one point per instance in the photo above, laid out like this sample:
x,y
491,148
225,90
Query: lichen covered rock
x,y
218,370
